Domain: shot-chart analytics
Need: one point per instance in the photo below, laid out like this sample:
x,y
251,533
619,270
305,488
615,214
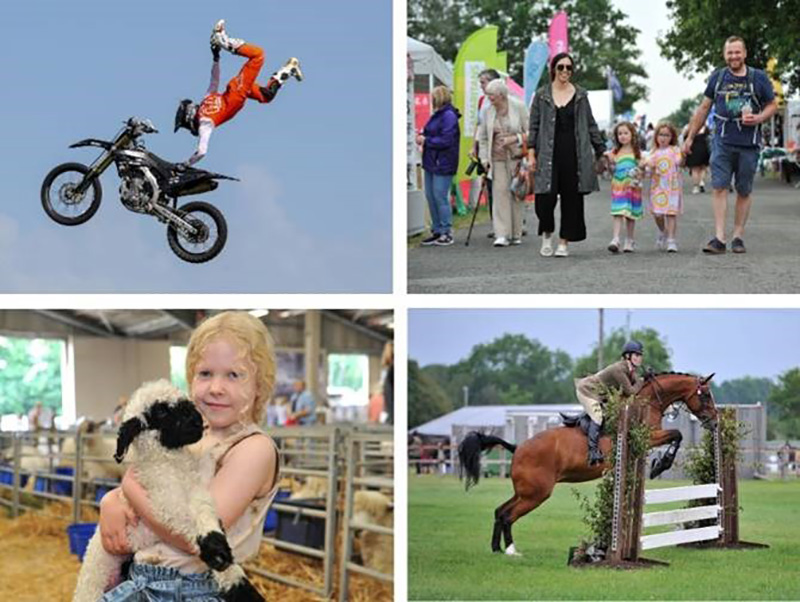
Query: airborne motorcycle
x,y
196,231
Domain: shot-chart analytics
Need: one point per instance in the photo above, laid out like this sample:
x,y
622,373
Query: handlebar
x,y
141,126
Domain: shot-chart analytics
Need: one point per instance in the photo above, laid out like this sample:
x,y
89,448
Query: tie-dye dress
x,y
666,186
626,199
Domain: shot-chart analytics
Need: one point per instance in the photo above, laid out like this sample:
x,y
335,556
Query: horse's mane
x,y
673,373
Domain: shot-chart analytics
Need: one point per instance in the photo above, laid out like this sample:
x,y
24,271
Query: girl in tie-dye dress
x,y
666,185
626,185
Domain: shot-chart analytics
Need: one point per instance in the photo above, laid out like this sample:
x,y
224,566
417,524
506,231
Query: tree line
x,y
515,370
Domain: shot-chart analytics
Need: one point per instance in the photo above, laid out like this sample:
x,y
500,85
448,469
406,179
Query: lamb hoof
x,y
215,551
243,591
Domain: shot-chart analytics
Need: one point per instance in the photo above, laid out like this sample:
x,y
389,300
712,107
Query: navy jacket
x,y
442,134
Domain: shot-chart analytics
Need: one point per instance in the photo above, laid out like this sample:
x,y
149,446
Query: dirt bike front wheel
x,y
61,199
211,232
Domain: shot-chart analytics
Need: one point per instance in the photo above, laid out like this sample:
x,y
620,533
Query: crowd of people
x,y
556,150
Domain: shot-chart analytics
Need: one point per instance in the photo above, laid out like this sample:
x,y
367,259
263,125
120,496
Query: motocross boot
x,y
290,69
220,39
595,455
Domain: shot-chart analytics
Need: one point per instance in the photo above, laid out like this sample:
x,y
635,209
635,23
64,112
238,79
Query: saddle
x,y
580,421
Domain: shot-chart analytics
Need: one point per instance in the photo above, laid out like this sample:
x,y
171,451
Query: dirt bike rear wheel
x,y
205,245
59,200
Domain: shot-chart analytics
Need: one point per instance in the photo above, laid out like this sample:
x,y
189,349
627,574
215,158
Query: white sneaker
x,y
629,247
547,246
661,241
516,241
561,250
290,69
613,246
501,241
696,190
672,246
220,39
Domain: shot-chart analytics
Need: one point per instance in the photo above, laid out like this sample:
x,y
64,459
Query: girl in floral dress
x,y
666,185
626,186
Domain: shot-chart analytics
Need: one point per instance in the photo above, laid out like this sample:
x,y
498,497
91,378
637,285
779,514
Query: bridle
x,y
703,395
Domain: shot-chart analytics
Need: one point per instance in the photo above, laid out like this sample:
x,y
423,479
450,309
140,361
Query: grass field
x,y
449,556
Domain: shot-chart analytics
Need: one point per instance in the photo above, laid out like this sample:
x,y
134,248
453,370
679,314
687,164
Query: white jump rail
x,y
679,516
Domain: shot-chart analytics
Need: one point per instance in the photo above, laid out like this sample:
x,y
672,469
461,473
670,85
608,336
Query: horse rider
x,y
592,391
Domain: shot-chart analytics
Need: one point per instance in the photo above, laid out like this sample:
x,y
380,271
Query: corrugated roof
x,y
487,416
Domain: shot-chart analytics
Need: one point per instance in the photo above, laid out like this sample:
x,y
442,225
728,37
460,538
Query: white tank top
x,y
244,535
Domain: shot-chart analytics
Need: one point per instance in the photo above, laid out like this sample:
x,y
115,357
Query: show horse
x,y
560,455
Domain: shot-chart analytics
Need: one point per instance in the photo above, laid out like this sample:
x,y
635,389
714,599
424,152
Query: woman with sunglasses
x,y
564,143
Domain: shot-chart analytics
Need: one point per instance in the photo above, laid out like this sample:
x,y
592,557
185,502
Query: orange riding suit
x,y
219,108
215,108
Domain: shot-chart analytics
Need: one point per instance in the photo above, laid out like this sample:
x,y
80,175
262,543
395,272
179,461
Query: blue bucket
x,y
6,475
271,522
42,484
79,535
63,487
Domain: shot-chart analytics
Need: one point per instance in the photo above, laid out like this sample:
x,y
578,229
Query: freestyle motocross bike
x,y
196,231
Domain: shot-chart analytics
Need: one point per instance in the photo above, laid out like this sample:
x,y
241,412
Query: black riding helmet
x,y
186,116
633,347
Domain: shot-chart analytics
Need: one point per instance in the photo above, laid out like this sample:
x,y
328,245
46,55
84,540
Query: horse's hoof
x,y
512,551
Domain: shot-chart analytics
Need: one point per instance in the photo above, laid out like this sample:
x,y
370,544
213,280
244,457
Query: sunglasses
x,y
564,67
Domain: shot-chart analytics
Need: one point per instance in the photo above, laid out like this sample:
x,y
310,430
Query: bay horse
x,y
560,454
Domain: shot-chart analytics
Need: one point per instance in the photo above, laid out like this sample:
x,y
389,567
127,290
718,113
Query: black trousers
x,y
573,226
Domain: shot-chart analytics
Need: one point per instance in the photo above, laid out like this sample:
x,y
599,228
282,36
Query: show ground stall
x,y
348,457
426,70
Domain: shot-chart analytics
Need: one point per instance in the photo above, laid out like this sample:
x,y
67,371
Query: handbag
x,y
522,189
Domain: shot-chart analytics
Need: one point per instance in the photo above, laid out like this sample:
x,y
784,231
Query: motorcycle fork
x,y
169,215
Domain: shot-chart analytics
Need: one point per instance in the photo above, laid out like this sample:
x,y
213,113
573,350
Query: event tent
x,y
428,62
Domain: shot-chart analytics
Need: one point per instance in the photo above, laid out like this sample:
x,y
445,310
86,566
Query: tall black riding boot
x,y
595,455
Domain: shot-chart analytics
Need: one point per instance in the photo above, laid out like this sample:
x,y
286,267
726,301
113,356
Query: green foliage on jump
x,y
598,513
700,464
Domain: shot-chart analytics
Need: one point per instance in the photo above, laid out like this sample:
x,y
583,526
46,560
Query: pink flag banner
x,y
514,88
557,36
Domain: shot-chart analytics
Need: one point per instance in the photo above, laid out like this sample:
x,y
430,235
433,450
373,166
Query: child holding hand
x,y
626,187
666,185
230,368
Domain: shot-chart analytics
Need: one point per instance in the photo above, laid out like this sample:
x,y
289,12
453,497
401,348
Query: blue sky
x,y
313,210
730,342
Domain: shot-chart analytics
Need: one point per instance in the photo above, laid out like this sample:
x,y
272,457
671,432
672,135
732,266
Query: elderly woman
x,y
502,134
564,143
439,141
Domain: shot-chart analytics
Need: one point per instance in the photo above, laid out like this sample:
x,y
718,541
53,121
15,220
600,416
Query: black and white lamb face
x,y
160,410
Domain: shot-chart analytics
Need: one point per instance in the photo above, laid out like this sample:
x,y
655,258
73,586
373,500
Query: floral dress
x,y
626,199
666,186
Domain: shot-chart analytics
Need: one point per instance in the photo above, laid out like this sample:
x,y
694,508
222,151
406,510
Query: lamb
x,y
159,422
377,549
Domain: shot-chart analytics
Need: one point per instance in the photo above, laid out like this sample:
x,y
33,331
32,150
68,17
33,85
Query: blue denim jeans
x,y
150,583
437,191
726,160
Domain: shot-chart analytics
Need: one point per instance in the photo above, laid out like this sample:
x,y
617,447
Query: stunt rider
x,y
592,390
215,108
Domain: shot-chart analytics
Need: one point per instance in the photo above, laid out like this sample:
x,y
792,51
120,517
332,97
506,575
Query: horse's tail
x,y
469,454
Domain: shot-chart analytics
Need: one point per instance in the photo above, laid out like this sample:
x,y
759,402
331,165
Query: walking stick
x,y
475,212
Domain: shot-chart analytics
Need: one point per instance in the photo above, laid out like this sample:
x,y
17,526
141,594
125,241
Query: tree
x,y
30,372
683,114
426,400
656,353
515,370
769,28
598,36
785,402
745,390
